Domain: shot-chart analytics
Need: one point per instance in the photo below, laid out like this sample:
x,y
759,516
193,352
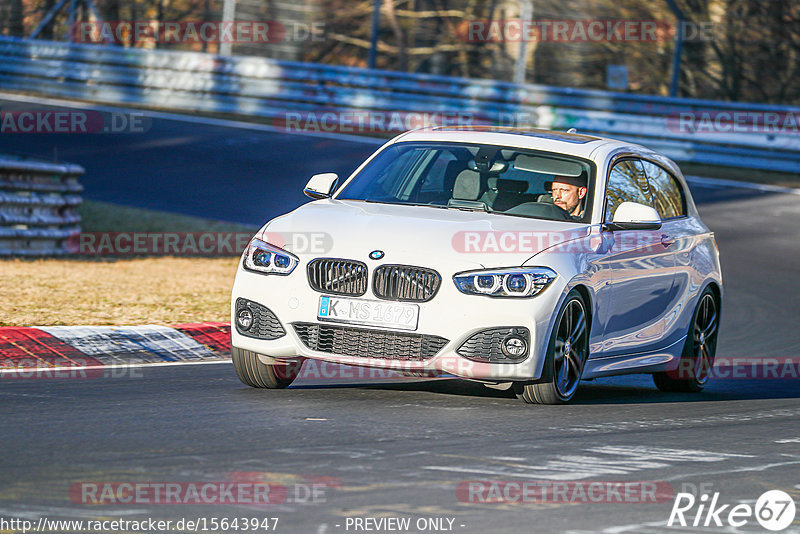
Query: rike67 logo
x,y
774,510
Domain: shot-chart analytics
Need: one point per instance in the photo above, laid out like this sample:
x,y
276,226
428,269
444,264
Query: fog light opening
x,y
244,318
514,347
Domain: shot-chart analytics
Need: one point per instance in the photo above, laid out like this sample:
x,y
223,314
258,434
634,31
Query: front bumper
x,y
451,315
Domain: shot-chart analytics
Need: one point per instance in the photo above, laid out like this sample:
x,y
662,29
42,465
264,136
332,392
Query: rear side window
x,y
627,183
668,196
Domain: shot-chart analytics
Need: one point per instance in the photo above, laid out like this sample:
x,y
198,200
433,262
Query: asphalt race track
x,y
402,450
240,175
207,170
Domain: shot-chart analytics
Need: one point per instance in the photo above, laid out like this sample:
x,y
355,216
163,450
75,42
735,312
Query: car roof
x,y
533,138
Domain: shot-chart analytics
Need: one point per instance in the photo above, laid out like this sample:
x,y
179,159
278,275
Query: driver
x,y
569,192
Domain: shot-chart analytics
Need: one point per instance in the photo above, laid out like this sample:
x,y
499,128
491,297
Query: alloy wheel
x,y
570,349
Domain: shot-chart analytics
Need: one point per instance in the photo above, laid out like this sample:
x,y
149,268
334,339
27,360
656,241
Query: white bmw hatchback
x,y
524,259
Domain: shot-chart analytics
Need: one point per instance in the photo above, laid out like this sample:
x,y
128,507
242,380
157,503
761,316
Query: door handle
x,y
667,240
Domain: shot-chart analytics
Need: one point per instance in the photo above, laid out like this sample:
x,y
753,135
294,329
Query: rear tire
x,y
254,373
697,360
566,355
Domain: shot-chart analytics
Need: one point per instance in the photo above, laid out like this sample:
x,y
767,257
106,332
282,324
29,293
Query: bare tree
x,y
753,52
15,24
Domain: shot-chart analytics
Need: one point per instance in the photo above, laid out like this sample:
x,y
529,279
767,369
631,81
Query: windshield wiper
x,y
467,205
388,203
437,206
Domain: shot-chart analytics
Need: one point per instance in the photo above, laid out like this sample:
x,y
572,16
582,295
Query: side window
x,y
668,197
627,183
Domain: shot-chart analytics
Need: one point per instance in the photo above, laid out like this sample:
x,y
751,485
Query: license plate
x,y
369,312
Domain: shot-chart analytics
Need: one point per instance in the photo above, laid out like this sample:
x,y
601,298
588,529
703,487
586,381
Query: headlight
x,y
262,257
511,282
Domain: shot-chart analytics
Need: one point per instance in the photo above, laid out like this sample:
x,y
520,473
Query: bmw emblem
x,y
376,254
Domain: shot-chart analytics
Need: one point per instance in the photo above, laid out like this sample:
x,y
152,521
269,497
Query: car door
x,y
679,233
641,270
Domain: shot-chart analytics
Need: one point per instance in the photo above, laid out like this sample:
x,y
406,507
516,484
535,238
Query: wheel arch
x,y
716,289
534,391
586,295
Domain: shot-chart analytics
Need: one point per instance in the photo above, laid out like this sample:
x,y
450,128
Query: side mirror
x,y
321,185
634,216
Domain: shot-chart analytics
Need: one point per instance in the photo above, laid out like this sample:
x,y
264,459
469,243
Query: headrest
x,y
467,186
451,172
453,168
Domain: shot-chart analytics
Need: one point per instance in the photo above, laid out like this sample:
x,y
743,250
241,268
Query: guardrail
x,y
266,88
38,202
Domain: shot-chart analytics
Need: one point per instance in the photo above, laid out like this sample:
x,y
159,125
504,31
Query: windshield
x,y
489,178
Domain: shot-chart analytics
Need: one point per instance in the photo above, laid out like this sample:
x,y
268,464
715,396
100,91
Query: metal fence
x,y
267,89
38,202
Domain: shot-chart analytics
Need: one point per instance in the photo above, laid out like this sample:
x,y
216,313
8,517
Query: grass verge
x,y
105,217
118,291
115,292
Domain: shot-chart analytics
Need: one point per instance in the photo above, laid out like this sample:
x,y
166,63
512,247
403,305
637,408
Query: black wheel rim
x,y
705,338
570,349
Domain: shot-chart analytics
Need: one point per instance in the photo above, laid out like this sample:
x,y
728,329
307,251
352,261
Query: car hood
x,y
415,235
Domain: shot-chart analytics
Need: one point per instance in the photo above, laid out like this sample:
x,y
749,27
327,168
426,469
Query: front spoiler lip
x,y
445,362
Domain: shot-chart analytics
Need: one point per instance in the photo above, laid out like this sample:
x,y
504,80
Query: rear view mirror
x,y
634,216
321,185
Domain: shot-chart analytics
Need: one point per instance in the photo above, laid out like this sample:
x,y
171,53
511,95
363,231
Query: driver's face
x,y
568,197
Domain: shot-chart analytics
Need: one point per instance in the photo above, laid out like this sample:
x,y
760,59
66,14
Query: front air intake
x,y
368,343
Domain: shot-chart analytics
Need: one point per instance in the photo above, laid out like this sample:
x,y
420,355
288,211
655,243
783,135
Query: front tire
x,y
566,355
252,372
697,360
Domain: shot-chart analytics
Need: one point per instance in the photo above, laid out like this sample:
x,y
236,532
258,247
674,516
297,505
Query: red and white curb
x,y
49,348
99,351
